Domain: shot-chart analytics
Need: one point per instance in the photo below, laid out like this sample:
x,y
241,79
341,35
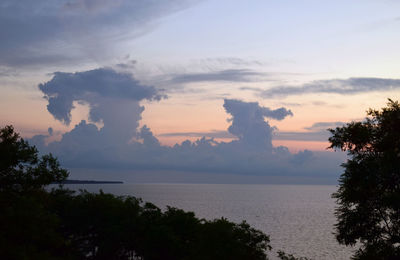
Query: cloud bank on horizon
x,y
315,132
113,99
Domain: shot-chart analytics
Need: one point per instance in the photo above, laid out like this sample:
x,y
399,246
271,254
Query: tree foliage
x,y
284,256
28,230
104,226
368,197
39,224
21,168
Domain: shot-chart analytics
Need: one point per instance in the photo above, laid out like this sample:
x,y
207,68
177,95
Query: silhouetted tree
x,y
21,168
222,239
369,191
103,226
27,227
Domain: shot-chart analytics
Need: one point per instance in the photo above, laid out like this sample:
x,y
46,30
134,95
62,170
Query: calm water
x,y
298,218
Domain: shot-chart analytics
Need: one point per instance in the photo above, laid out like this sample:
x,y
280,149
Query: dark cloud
x,y
230,75
248,122
50,131
49,32
130,64
93,87
335,86
119,144
148,138
301,157
254,111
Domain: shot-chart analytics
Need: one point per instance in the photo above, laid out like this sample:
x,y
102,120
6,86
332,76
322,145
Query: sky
x,y
213,87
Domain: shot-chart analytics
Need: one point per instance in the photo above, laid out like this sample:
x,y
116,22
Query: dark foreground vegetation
x,y
59,224
369,190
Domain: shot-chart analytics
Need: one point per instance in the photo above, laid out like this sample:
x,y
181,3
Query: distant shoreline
x,y
88,182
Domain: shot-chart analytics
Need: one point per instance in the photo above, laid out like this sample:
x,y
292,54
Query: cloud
x,y
231,61
67,31
335,86
254,111
248,122
94,87
212,134
148,138
128,65
324,125
229,75
316,132
120,144
8,72
301,157
317,136
251,88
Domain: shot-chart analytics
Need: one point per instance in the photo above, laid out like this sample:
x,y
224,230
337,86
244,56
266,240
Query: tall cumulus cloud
x,y
94,87
113,99
248,122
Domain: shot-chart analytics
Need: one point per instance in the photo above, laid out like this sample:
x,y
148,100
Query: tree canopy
x,y
21,169
368,197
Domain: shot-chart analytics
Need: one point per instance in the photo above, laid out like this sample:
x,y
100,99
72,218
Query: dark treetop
x,y
368,198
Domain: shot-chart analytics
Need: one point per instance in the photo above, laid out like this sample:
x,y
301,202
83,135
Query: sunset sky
x,y
188,62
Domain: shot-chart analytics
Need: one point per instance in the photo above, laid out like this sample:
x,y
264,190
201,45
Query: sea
x,y
298,218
